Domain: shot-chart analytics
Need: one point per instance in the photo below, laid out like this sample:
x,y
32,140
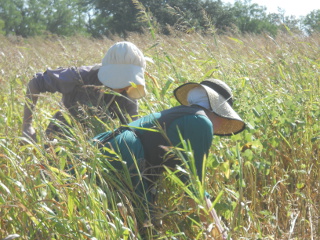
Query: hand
x,y
29,132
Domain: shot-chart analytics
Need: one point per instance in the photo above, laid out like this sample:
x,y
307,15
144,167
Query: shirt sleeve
x,y
62,80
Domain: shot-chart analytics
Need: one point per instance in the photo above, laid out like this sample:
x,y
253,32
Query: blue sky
x,y
291,7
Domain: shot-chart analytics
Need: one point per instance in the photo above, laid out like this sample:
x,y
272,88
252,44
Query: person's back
x,y
206,110
182,123
84,91
147,143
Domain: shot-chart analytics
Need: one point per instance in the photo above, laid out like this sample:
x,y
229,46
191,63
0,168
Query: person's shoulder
x,y
89,74
87,69
200,119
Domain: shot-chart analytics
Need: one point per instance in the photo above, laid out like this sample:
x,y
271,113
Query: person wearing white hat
x,y
206,110
107,90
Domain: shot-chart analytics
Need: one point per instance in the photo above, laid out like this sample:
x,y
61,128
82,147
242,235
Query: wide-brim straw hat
x,y
124,66
220,101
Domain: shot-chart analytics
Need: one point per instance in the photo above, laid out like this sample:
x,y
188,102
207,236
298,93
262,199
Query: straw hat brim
x,y
231,122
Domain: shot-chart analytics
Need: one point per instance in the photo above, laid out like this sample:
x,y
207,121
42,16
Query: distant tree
x,y
312,22
35,17
220,14
17,19
113,17
252,18
122,16
182,15
1,27
65,17
108,17
285,23
167,14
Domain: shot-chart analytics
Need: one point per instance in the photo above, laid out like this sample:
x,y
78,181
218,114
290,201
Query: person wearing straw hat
x,y
109,90
216,98
206,110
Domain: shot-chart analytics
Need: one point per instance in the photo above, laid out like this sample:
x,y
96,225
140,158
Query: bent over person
x,y
84,91
206,110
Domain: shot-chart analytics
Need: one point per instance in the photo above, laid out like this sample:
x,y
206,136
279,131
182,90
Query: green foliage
x,y
113,17
312,22
252,18
36,17
65,18
1,27
11,14
264,182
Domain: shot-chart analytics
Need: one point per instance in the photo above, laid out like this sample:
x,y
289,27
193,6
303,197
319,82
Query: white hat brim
x,y
117,76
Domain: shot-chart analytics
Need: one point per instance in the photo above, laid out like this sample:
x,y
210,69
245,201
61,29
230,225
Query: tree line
x,y
100,18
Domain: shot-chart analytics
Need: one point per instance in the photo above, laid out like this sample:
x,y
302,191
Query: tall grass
x,y
265,180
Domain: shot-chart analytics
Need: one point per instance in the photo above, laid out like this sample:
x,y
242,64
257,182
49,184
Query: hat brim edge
x,y
181,92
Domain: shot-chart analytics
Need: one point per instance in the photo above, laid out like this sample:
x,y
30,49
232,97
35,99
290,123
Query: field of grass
x,y
264,182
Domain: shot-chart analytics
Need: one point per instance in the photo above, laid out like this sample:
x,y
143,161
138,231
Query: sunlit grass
x,y
266,179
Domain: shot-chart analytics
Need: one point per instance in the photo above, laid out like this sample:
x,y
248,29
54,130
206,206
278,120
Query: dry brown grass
x,y
276,83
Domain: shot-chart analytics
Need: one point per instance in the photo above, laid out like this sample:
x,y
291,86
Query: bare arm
x,y
31,101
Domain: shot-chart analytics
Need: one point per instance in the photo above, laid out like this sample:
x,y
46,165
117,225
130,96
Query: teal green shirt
x,y
196,129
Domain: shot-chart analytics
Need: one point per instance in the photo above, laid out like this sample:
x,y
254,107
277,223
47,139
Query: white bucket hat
x,y
220,102
124,66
